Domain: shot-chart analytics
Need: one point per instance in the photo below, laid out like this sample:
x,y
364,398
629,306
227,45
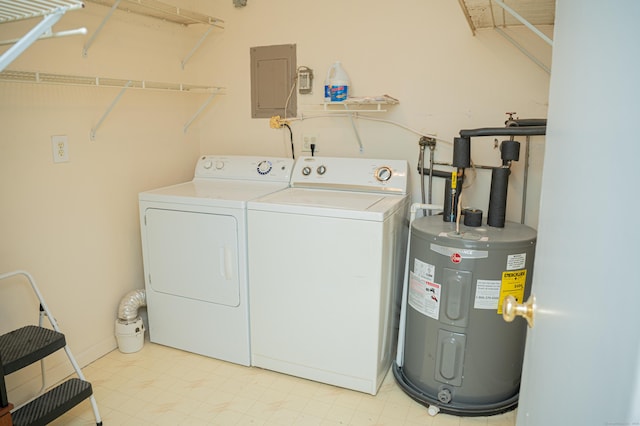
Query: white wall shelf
x,y
122,84
157,10
360,104
18,10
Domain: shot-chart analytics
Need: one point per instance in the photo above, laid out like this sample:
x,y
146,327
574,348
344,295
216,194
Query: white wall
x,y
74,226
420,52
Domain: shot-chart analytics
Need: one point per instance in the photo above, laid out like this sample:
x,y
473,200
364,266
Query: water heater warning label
x,y
513,283
487,294
424,296
516,261
423,270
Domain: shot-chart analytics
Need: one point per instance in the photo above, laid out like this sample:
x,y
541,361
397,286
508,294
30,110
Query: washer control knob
x,y
306,170
321,170
383,173
207,164
264,167
219,165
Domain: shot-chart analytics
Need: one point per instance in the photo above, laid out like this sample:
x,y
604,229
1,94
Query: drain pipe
x,y
431,143
129,305
405,291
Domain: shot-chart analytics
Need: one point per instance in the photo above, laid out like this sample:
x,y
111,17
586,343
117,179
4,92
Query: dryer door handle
x,y
226,263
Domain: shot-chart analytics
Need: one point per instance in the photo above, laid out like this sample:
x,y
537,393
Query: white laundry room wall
x,y
421,52
74,225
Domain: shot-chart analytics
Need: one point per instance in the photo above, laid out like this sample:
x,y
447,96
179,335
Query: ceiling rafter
x,y
482,14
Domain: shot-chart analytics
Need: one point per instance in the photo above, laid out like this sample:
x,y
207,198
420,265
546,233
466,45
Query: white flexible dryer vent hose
x,y
129,305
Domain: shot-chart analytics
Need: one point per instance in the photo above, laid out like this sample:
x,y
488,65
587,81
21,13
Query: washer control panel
x,y
354,174
244,167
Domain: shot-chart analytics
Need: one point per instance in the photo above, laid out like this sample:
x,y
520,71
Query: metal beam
x,y
524,22
523,50
465,11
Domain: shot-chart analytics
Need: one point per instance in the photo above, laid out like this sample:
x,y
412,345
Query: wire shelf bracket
x,y
95,128
50,10
200,110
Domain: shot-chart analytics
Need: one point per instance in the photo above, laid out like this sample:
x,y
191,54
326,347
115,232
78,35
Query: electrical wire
x,y
469,183
366,117
295,83
395,123
458,213
293,86
286,107
293,155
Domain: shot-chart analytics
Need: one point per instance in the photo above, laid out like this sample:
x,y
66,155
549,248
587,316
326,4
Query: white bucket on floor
x,y
130,335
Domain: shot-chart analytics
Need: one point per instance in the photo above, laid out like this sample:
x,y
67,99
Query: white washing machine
x,y
326,259
194,245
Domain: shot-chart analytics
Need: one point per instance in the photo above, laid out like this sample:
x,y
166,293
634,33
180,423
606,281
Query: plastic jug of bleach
x,y
336,85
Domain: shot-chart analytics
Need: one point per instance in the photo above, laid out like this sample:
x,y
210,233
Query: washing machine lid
x,y
216,193
330,203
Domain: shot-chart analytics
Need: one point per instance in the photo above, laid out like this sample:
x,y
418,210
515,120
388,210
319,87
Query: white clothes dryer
x,y
195,254
326,261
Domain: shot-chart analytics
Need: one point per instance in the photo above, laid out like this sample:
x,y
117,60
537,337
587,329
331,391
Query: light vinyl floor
x,y
164,386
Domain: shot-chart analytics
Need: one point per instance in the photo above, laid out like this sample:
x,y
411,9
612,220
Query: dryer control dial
x,y
306,170
321,170
264,167
207,164
219,165
383,173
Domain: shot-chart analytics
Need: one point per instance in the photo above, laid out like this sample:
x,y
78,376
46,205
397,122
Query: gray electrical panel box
x,y
273,74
